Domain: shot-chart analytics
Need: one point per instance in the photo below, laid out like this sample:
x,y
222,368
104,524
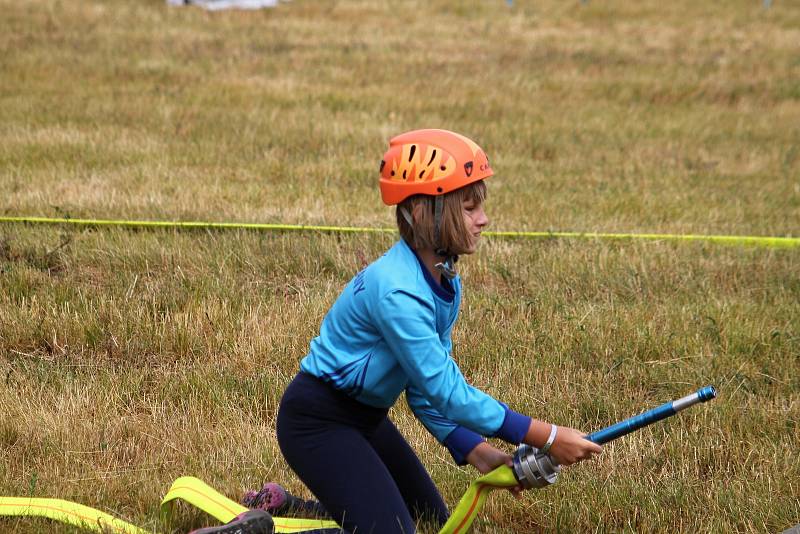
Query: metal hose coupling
x,y
535,469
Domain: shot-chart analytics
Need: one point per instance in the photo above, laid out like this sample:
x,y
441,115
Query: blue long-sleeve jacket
x,y
388,332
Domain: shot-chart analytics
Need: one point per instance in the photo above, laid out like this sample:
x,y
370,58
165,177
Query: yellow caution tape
x,y
761,241
740,240
67,512
196,225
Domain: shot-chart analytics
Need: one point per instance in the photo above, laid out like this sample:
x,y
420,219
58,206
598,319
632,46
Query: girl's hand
x,y
486,458
570,447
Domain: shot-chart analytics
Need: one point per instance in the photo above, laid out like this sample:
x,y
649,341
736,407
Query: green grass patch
x,y
130,358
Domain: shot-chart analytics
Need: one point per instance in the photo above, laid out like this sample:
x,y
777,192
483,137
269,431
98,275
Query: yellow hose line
x,y
200,495
762,241
473,500
67,512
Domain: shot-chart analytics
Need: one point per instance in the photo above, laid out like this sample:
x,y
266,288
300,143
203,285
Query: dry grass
x,y
128,359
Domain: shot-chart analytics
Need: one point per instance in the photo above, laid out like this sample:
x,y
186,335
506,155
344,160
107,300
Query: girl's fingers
x,y
516,491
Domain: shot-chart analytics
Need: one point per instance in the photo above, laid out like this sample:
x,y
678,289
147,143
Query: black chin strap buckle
x,y
448,266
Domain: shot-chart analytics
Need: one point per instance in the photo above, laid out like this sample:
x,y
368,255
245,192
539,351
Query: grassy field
x,y
130,358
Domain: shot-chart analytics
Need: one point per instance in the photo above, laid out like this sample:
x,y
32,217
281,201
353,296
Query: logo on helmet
x,y
468,168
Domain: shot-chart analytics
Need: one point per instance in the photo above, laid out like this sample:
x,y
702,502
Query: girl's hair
x,y
453,234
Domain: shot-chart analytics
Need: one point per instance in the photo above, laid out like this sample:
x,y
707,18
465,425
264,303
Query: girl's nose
x,y
482,220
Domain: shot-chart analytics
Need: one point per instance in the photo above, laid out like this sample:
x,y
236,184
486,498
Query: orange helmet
x,y
430,162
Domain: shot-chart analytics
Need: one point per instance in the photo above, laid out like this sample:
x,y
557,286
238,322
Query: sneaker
x,y
250,522
277,501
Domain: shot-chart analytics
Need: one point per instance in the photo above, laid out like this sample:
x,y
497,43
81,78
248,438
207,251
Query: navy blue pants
x,y
354,461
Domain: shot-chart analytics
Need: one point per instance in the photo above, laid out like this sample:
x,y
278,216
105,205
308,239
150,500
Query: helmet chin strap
x,y
447,267
407,216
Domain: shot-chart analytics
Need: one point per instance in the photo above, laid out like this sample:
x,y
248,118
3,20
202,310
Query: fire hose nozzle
x,y
535,469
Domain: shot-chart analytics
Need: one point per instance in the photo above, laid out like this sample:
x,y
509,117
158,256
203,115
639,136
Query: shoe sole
x,y
257,523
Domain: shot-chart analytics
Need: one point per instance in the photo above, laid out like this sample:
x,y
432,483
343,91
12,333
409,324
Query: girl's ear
x,y
416,212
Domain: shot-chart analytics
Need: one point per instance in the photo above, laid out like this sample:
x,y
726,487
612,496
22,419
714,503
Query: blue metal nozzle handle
x,y
536,469
651,416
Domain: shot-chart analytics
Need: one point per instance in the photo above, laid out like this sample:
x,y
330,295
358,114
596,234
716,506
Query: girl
x,y
389,332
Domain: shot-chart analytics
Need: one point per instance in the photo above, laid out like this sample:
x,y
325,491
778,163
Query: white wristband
x,y
550,440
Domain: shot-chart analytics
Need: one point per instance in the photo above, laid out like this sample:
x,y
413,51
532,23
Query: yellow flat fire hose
x,y
473,500
67,512
199,494
202,496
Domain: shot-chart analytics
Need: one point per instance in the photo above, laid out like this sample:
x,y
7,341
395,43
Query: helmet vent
x,y
411,152
432,156
421,174
404,175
